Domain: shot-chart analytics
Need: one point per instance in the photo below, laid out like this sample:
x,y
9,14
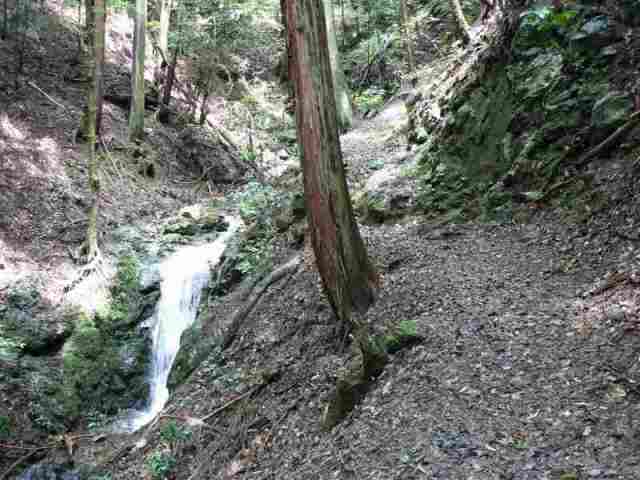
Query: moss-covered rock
x,y
106,359
195,347
28,324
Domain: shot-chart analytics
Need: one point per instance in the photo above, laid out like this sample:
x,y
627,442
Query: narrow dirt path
x,y
373,142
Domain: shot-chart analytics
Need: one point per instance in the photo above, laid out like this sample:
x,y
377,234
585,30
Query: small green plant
x,y
375,164
5,426
257,204
369,99
160,464
171,434
100,476
403,334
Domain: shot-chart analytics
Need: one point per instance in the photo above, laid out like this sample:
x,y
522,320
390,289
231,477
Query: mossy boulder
x,y
389,193
195,347
106,359
30,324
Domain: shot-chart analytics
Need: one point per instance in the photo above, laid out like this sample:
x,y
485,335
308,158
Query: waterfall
x,y
183,276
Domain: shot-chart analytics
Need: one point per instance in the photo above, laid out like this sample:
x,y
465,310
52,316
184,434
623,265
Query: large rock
x,y
204,153
389,193
29,323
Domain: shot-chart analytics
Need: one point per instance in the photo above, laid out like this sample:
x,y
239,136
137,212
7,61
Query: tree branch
x,y
241,313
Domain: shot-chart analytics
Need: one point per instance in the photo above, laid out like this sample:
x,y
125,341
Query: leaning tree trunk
x,y
136,117
461,21
343,102
348,277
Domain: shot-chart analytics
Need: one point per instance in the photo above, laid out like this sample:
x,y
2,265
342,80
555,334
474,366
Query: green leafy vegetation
x,y
172,433
401,335
160,464
104,360
5,426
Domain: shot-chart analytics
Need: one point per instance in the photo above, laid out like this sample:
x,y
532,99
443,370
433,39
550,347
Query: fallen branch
x,y
23,458
587,157
241,313
231,402
48,97
268,378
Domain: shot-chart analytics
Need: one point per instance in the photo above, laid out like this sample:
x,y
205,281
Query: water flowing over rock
x,y
184,275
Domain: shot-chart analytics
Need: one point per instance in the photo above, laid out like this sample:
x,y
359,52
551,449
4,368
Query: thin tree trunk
x,y
405,31
344,25
5,20
349,280
93,88
163,35
461,21
100,19
204,108
136,116
168,87
343,102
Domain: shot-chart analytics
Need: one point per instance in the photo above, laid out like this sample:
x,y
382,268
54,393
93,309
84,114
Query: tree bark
x,y
5,20
461,21
349,280
100,19
92,107
136,116
163,35
168,87
343,102
405,32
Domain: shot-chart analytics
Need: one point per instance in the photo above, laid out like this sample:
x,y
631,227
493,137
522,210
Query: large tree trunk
x,y
343,102
348,277
136,117
461,21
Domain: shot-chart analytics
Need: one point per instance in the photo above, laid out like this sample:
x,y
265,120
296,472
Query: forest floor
x,y
528,363
527,366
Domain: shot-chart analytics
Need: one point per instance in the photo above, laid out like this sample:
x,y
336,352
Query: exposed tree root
x,y
93,265
241,313
610,140
354,383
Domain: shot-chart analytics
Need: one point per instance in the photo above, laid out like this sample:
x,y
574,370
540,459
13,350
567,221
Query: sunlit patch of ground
x,y
617,306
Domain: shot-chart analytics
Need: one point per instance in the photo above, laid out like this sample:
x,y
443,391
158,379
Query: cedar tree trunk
x,y
136,116
348,277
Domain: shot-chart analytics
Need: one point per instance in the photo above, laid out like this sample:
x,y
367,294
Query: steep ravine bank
x,y
74,368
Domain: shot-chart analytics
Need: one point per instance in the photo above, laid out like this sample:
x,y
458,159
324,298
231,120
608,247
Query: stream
x,y
183,277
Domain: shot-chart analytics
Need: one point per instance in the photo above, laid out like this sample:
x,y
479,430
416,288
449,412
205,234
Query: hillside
x,y
499,200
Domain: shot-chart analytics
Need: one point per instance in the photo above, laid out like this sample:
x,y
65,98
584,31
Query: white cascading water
x,y
183,276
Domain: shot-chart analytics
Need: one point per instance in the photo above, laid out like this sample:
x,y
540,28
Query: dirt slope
x,y
527,368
